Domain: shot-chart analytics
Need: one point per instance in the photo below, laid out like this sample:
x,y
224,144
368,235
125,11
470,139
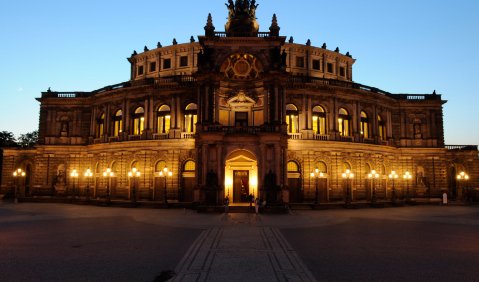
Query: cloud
x,y
20,89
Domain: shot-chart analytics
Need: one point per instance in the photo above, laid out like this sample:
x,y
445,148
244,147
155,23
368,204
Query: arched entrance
x,y
241,176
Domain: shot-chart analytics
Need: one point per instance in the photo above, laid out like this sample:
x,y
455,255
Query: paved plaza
x,y
60,242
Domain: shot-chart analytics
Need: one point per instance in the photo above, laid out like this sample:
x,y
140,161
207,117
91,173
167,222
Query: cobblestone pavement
x,y
55,242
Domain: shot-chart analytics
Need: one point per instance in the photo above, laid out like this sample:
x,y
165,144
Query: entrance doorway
x,y
240,186
241,176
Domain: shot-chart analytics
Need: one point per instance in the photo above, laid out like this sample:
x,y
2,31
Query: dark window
x,y
152,66
316,65
183,61
140,70
300,62
330,67
342,71
166,63
241,119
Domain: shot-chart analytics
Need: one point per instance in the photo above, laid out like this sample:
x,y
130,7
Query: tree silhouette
x,y
28,139
7,139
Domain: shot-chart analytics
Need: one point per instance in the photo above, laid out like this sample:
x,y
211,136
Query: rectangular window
x,y
241,119
166,63
316,65
140,70
342,71
183,61
152,66
300,62
330,67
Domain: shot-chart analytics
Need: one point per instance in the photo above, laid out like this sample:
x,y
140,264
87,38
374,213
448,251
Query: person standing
x,y
227,204
256,205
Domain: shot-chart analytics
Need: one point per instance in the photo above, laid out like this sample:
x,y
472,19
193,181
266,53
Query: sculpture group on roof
x,y
241,8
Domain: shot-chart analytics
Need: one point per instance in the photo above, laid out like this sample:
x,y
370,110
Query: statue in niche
x,y
64,129
60,180
417,129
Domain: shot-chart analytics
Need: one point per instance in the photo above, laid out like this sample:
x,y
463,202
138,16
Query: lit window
x,y
190,166
100,126
117,123
319,120
163,119
160,165
364,124
343,122
191,118
293,167
381,128
292,118
138,121
321,167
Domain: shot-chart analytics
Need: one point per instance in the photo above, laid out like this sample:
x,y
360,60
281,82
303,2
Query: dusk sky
x,y
406,46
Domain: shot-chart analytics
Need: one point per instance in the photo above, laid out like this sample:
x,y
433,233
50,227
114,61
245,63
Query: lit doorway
x,y
241,176
240,186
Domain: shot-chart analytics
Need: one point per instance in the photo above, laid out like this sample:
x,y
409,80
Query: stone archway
x,y
241,176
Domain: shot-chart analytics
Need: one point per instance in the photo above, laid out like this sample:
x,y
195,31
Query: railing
x,y
346,138
295,136
188,135
134,137
52,94
242,34
160,136
321,137
114,139
252,130
167,82
462,147
113,87
306,81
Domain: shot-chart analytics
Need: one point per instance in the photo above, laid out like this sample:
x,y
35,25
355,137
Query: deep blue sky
x,y
401,46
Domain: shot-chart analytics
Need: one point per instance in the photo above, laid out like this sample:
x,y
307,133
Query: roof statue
x,y
241,18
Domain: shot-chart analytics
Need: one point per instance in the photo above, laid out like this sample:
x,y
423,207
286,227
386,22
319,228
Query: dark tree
x,y
28,139
7,139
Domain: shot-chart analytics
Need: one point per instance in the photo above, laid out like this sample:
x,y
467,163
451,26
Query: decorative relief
x,y
242,67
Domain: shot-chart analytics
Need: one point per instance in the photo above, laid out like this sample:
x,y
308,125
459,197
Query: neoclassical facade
x,y
239,113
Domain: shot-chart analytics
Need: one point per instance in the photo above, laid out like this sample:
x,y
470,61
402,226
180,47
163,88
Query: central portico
x,y
241,176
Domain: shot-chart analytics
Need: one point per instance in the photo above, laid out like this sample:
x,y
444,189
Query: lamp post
x,y
407,176
372,176
108,173
17,174
165,173
393,175
461,177
134,175
74,176
316,175
88,175
348,176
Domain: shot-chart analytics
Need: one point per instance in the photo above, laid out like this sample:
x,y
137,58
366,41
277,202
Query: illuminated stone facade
x,y
241,112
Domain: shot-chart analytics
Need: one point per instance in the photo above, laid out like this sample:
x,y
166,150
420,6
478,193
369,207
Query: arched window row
x,y
320,123
137,121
